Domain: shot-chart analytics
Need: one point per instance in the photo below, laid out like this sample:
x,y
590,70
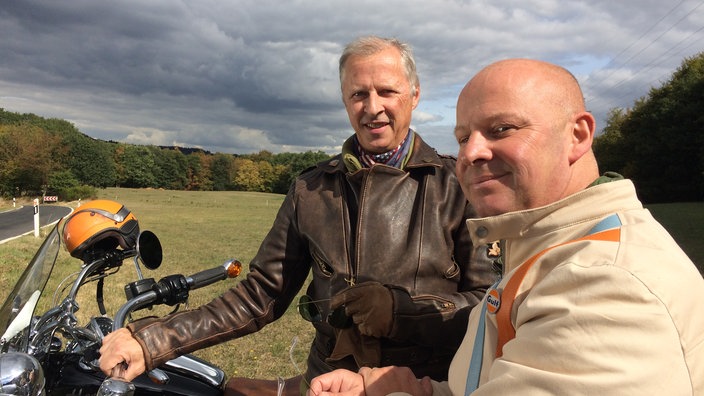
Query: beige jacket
x,y
591,317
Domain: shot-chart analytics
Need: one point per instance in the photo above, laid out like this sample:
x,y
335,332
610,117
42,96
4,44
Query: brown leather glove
x,y
365,350
370,305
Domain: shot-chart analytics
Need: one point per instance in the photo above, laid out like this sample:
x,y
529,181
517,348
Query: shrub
x,y
78,192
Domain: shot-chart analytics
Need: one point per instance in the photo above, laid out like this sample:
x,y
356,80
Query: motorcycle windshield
x,y
17,311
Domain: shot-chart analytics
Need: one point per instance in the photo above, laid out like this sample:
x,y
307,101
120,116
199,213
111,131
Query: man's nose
x,y
475,149
373,104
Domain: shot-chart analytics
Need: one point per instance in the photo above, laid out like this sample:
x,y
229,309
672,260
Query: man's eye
x,y
499,130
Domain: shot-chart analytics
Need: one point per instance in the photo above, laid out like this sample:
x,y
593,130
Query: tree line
x,y
50,156
658,143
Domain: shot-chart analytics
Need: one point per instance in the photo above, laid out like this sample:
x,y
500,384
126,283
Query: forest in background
x,y
40,156
659,142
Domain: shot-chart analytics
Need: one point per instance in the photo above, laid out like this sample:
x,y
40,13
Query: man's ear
x,y
582,135
416,98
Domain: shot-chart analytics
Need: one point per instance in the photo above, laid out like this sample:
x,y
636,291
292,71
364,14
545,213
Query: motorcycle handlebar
x,y
164,290
175,287
229,269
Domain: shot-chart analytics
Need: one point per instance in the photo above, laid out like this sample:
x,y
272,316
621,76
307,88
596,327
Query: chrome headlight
x,y
21,374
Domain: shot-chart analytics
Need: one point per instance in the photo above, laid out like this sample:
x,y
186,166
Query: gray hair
x,y
370,45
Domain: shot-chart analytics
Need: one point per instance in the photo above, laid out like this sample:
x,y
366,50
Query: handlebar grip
x,y
119,370
115,385
229,269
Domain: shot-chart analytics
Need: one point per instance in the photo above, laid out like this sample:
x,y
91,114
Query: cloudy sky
x,y
241,76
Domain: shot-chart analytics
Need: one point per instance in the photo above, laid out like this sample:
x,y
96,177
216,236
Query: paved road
x,y
20,221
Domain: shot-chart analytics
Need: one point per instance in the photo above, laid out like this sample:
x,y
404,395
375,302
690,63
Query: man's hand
x,y
384,380
118,347
339,382
370,382
370,304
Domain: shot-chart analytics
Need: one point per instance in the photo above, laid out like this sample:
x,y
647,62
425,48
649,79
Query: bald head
x,y
523,124
553,86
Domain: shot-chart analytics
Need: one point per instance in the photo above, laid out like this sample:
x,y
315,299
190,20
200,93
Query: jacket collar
x,y
423,155
525,233
587,206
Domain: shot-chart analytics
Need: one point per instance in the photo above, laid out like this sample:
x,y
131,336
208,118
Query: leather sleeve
x,y
277,273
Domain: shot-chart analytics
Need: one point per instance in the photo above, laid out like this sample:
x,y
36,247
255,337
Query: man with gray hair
x,y
380,225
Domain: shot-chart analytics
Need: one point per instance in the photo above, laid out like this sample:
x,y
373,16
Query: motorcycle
x,y
51,354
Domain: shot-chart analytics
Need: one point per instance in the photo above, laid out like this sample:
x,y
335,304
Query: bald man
x,y
596,297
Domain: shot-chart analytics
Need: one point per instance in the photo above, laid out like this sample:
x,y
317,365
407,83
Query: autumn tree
x,y
28,156
247,176
198,174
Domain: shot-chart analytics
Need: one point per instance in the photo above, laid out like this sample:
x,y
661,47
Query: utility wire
x,y
649,66
613,59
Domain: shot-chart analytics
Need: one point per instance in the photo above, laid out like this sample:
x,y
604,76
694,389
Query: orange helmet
x,y
102,222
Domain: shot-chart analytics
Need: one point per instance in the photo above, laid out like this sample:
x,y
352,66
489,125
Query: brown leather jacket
x,y
403,228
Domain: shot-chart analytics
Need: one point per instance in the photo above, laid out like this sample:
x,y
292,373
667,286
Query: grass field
x,y
200,230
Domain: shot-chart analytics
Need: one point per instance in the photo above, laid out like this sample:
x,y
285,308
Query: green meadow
x,y
198,230
201,229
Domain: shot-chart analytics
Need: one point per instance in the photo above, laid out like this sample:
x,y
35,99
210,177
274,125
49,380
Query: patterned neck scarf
x,y
395,157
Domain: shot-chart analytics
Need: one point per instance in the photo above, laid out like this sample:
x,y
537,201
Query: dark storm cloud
x,y
243,76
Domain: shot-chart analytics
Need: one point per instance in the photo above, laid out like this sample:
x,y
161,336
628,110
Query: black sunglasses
x,y
310,311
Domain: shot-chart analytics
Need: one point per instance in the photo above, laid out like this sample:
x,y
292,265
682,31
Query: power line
x,y
656,61
611,61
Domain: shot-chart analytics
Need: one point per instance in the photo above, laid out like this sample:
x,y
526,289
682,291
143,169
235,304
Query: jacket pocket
x,y
324,268
453,272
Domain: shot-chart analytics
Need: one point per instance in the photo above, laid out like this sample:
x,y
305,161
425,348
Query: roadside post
x,y
36,218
